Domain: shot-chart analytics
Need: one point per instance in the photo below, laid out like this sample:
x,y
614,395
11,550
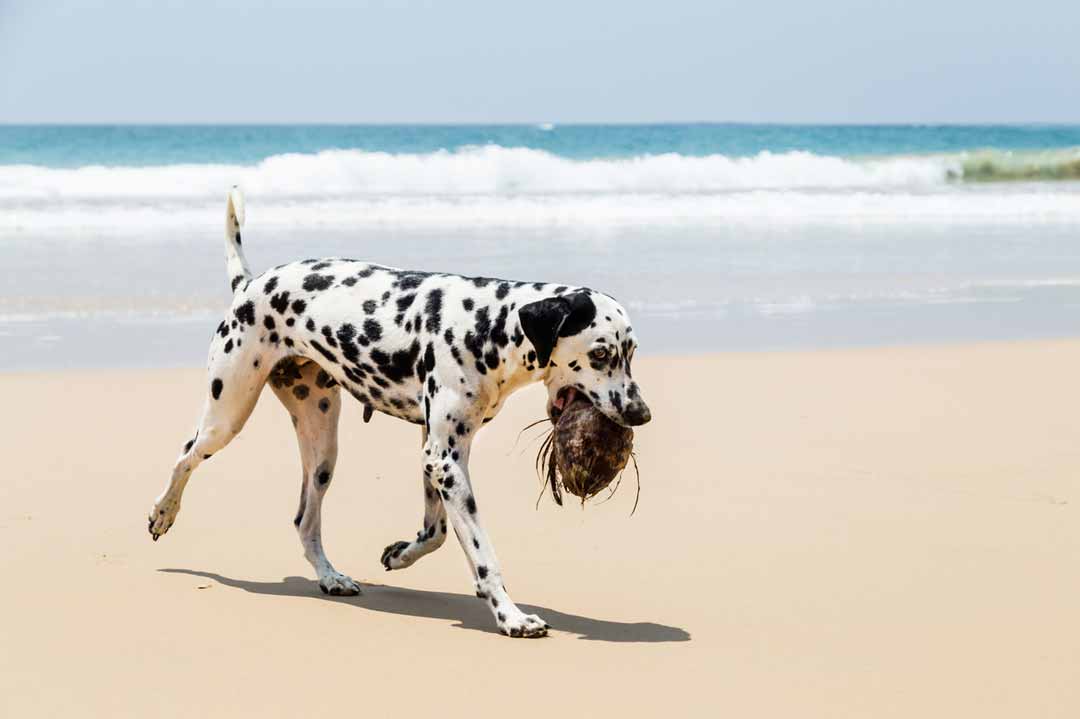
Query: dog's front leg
x,y
446,467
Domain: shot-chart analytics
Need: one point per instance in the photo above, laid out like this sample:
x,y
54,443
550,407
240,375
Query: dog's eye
x,y
599,353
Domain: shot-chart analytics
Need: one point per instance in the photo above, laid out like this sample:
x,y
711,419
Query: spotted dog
x,y
440,351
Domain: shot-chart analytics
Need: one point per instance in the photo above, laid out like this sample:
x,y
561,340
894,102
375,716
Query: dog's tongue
x,y
563,399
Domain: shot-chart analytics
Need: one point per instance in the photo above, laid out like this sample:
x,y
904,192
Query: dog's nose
x,y
637,413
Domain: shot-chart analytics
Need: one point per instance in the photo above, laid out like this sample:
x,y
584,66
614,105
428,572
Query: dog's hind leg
x,y
313,400
430,537
233,386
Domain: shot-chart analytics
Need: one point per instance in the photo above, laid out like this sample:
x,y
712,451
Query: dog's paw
x,y
162,516
395,556
339,585
516,623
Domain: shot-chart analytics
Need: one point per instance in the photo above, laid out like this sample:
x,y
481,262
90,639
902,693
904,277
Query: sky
x,y
492,61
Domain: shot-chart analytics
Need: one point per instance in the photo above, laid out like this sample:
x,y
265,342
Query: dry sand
x,y
864,533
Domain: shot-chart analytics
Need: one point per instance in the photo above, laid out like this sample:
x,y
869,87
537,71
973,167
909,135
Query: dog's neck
x,y
516,369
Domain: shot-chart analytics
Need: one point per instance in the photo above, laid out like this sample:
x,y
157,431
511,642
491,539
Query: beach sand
x,y
874,533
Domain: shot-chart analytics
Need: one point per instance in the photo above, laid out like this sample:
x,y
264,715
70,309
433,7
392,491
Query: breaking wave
x,y
500,185
500,170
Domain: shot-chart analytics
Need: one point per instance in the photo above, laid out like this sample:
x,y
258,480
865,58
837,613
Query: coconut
x,y
585,451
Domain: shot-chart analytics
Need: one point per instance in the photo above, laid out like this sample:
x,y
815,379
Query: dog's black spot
x,y
433,309
236,282
280,302
468,304
345,336
317,283
372,330
324,352
298,306
482,571
301,391
188,446
411,280
399,365
502,291
324,405
245,313
270,285
370,306
215,388
268,322
470,504
429,357
498,329
228,347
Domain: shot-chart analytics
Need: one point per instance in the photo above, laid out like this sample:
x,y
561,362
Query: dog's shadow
x,y
467,611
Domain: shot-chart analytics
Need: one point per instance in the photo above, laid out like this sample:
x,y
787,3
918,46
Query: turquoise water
x,y
715,237
140,146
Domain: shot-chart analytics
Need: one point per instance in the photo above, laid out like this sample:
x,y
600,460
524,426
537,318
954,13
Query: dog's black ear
x,y
582,313
545,321
541,322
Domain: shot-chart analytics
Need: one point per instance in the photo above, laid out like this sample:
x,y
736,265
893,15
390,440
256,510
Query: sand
x,y
858,533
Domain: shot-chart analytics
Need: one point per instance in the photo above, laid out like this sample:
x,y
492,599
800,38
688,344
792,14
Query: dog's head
x,y
586,342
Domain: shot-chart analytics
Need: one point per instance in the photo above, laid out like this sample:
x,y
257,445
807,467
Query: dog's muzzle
x,y
636,413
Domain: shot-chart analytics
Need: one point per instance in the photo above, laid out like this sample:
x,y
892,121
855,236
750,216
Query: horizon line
x,y
554,123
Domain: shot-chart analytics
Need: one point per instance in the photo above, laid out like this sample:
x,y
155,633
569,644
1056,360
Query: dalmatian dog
x,y
438,350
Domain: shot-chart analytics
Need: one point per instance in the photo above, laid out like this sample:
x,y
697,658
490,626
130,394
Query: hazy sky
x,y
555,60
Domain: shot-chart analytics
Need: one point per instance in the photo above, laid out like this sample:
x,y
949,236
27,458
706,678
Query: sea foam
x,y
477,170
497,185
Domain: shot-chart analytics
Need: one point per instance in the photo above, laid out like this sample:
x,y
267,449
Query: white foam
x,y
497,186
477,170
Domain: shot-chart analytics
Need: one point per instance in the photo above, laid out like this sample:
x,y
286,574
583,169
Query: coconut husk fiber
x,y
584,452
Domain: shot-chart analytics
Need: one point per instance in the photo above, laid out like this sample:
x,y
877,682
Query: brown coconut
x,y
585,452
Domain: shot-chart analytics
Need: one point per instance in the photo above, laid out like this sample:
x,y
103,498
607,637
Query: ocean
x,y
716,237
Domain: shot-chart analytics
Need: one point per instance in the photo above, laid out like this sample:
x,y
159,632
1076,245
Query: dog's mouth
x,y
563,399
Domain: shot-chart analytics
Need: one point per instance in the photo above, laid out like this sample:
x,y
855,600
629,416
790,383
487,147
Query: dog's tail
x,y
235,263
